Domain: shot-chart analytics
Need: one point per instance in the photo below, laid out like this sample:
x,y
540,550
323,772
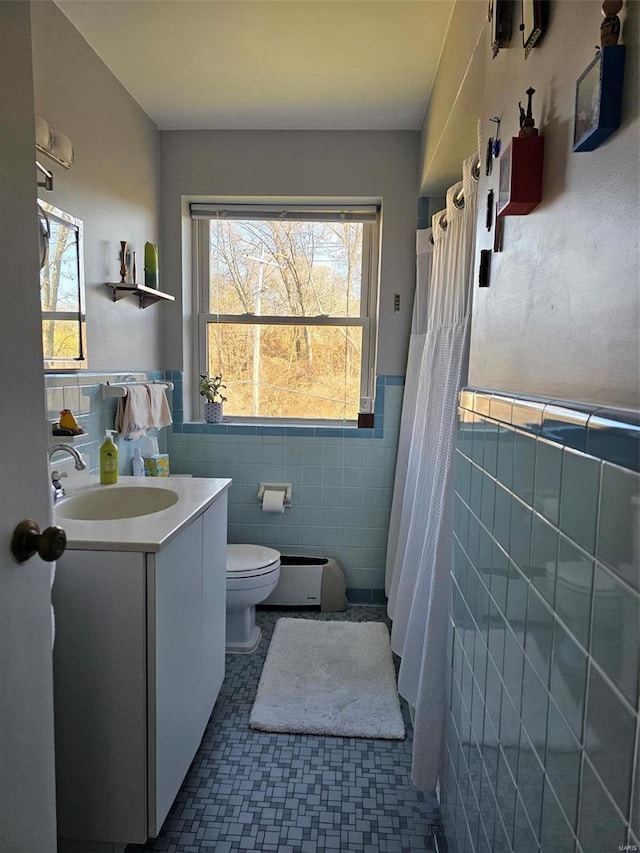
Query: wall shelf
x,y
82,438
146,295
521,165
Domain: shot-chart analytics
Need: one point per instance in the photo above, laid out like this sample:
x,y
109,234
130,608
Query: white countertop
x,y
145,532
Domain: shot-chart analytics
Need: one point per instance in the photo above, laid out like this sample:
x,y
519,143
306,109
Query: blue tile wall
x,y
342,484
542,728
342,477
82,393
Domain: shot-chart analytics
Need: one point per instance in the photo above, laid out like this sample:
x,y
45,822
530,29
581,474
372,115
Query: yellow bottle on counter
x,y
108,460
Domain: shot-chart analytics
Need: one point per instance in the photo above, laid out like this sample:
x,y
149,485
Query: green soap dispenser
x,y
108,460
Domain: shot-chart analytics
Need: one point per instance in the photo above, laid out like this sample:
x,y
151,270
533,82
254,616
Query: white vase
x,y
213,413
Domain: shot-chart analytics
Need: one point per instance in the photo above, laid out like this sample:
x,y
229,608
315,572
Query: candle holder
x,y
123,261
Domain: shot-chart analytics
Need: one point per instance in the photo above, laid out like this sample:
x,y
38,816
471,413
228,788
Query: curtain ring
x,y
475,170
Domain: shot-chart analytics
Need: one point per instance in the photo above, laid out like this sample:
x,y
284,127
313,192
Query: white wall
x,y
449,133
112,186
297,163
561,315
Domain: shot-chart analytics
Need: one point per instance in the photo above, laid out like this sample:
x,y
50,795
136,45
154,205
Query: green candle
x,y
150,265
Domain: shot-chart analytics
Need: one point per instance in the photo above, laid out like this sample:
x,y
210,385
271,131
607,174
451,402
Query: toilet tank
x,y
309,582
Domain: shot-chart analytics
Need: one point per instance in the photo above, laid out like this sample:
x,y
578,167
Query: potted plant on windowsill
x,y
210,389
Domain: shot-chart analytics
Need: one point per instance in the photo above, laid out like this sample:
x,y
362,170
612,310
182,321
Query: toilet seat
x,y
251,561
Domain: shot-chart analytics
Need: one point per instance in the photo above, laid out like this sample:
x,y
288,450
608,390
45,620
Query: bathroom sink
x,y
108,503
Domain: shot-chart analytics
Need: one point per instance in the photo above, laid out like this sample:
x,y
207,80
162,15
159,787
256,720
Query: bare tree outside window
x,y
285,326
62,292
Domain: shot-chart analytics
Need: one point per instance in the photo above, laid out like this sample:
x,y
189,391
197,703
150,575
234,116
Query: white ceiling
x,y
270,64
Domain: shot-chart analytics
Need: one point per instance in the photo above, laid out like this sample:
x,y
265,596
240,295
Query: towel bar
x,y
119,389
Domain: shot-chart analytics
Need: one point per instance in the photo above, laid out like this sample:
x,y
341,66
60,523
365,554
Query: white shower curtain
x,y
399,521
420,538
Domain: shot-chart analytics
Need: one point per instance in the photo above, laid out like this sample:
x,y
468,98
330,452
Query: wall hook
x,y
496,141
488,160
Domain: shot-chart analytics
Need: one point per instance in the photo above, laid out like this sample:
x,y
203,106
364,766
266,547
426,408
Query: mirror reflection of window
x,y
62,289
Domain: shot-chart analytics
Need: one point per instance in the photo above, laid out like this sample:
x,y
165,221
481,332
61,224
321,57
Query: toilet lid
x,y
247,558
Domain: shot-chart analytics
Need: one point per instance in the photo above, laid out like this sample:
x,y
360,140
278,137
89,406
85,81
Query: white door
x,y
27,779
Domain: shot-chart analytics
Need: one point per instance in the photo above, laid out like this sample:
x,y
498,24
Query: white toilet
x,y
253,572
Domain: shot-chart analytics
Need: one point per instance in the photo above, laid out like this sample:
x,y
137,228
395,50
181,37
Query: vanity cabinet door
x,y
187,586
175,665
100,701
214,600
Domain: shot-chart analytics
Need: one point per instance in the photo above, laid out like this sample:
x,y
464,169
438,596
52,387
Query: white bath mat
x,y
329,678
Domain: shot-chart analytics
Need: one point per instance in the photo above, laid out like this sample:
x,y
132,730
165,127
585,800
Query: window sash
x,y
368,299
266,382
285,320
63,315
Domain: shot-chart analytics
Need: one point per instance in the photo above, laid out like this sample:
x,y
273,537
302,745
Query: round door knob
x,y
27,541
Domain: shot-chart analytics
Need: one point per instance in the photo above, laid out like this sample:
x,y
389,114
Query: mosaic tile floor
x,y
249,790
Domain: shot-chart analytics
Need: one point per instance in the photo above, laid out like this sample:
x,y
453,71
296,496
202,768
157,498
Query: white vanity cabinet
x,y
138,663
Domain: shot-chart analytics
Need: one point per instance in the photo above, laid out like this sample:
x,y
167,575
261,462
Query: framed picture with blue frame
x,y
599,98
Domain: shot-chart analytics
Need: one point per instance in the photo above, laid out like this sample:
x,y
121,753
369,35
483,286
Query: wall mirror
x,y
62,297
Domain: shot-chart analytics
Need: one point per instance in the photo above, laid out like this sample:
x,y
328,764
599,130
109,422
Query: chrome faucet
x,y
56,476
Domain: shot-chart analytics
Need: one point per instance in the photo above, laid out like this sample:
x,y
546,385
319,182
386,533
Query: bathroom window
x,y
61,289
287,307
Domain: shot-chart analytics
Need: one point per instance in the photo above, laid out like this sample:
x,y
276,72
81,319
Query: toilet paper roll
x,y
273,501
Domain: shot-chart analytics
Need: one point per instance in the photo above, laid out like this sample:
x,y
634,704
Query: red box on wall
x,y
520,187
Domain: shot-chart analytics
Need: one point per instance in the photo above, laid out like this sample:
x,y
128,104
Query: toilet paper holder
x,y
287,488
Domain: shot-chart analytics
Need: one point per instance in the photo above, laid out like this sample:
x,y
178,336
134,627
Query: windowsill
x,y
315,429
285,422
264,428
